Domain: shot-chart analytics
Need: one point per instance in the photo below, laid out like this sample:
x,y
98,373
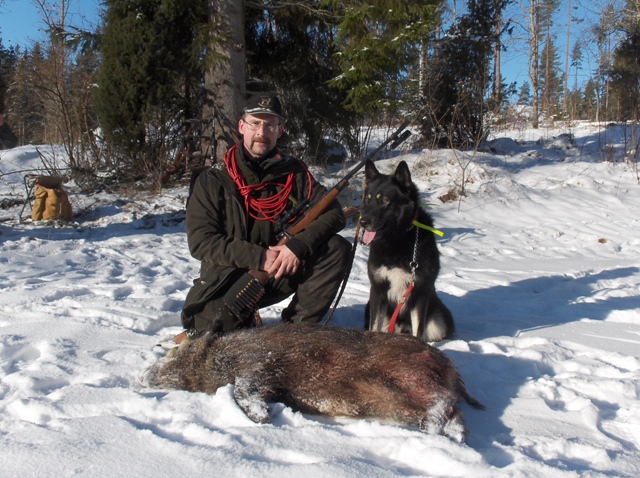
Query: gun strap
x,y
347,273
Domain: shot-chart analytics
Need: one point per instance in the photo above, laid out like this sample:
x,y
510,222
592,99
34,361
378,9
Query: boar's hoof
x,y
250,401
444,419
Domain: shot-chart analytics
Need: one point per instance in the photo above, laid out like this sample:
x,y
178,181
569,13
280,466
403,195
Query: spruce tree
x,y
334,62
225,78
524,95
551,79
590,101
24,103
548,67
379,43
576,61
292,50
150,66
625,77
459,79
8,59
625,70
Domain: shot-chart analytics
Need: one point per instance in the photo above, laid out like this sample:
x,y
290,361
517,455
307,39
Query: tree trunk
x,y
225,80
422,81
548,84
566,59
497,75
534,21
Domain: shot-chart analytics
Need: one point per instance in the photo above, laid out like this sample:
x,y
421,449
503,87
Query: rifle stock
x,y
316,210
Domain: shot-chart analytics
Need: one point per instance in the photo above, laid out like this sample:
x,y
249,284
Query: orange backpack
x,y
51,201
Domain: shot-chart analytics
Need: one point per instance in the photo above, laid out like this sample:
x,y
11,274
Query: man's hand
x,y
279,261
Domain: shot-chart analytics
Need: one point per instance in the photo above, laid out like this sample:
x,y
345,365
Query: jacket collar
x,y
257,169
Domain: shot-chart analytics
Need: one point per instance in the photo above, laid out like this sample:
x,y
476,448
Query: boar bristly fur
x,y
397,379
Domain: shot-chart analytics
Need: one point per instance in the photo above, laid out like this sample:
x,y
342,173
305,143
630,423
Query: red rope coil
x,y
263,209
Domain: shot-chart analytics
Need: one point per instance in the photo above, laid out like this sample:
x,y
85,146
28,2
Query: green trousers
x,y
313,287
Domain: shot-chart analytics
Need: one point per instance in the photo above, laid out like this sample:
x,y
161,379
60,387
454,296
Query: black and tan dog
x,y
404,261
324,370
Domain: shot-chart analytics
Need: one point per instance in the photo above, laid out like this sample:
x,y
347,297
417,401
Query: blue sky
x,y
21,22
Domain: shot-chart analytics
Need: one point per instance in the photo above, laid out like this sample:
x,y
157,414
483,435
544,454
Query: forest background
x,y
156,82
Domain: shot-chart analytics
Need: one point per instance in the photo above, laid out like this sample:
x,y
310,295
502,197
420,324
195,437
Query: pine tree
x,y
534,31
500,90
604,33
225,76
548,58
8,139
24,103
128,76
8,59
321,56
590,101
625,70
81,79
576,61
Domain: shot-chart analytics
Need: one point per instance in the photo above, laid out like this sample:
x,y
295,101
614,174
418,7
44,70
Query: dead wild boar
x,y
323,370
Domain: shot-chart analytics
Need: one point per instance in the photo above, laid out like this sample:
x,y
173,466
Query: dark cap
x,y
264,103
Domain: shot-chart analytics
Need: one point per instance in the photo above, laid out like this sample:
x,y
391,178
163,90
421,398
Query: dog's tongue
x,y
368,236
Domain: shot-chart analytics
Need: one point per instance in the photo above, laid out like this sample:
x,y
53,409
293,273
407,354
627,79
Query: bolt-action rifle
x,y
244,294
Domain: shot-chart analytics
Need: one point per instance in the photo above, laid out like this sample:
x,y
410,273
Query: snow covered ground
x,y
540,267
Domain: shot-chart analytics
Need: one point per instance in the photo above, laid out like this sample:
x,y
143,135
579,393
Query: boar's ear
x,y
370,171
402,174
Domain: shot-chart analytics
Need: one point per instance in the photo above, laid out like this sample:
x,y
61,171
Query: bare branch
x,y
308,5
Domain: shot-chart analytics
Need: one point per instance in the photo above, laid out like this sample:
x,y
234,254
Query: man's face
x,y
260,132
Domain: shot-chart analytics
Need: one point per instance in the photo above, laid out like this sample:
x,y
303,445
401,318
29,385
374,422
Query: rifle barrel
x,y
312,213
392,138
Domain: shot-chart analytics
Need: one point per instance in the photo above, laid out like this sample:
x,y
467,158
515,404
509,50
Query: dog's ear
x,y
402,174
370,171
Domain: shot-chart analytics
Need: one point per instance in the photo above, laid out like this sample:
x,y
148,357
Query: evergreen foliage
x,y
458,79
625,69
625,76
589,104
25,108
8,60
576,61
291,50
550,81
379,43
337,65
151,52
524,95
